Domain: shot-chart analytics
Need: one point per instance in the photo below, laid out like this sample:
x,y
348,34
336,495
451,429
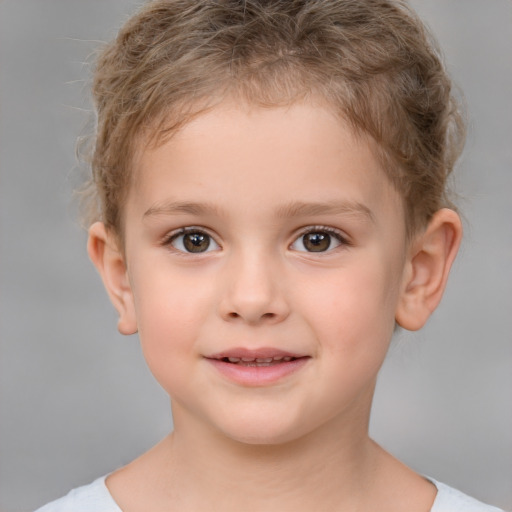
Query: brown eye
x,y
196,242
316,242
193,242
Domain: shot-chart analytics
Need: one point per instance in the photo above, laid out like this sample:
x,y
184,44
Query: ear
x,y
103,249
427,268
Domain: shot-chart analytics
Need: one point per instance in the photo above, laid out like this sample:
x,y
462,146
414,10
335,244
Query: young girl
x,y
268,205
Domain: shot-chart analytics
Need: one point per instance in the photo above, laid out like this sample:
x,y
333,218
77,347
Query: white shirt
x,y
96,497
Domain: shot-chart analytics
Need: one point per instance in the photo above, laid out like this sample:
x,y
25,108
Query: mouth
x,y
257,367
258,361
256,357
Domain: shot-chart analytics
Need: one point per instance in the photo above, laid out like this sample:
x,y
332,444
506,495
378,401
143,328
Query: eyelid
x,y
168,238
340,236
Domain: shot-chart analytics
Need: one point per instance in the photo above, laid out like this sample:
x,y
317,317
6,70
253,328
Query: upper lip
x,y
258,353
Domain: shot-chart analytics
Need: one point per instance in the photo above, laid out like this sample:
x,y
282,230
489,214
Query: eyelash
x,y
339,236
172,237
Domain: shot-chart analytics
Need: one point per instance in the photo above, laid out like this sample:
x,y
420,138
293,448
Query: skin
x,y
254,182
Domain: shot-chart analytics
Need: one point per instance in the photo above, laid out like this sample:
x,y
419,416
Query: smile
x,y
257,367
258,361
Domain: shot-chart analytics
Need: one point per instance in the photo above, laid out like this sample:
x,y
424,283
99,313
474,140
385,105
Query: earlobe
x,y
108,259
427,268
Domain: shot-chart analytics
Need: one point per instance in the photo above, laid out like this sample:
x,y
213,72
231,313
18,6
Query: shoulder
x,y
449,499
94,497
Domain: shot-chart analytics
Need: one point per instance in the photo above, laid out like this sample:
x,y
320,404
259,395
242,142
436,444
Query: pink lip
x,y
257,375
255,353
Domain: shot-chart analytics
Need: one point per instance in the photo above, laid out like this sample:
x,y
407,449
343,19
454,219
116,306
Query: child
x,y
268,205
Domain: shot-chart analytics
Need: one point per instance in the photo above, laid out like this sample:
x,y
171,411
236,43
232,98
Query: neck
x,y
332,466
335,467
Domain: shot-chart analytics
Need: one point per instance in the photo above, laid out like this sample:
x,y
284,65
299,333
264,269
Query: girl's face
x,y
265,254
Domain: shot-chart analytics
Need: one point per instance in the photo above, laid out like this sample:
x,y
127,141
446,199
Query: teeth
x,y
258,361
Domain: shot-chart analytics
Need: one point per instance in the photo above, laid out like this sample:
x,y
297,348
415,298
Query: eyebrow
x,y
293,209
299,208
182,207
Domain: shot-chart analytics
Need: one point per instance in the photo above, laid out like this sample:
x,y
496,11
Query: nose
x,y
253,291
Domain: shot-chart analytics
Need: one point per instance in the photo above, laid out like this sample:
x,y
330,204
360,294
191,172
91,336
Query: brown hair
x,y
372,61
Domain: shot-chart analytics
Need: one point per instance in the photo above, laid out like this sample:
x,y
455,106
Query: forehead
x,y
244,153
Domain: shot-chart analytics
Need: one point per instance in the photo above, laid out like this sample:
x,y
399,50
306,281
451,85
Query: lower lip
x,y
258,375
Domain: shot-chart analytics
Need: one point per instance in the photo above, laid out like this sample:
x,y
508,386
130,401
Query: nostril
x,y
233,315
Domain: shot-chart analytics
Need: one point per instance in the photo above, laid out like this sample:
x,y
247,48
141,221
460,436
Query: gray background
x,y
76,398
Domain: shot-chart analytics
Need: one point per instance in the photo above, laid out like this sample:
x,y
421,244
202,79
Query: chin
x,y
262,432
262,439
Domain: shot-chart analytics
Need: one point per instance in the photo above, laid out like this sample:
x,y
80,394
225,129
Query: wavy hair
x,y
372,61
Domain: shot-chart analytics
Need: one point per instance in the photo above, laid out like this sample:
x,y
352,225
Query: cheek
x,y
168,301
353,311
170,312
